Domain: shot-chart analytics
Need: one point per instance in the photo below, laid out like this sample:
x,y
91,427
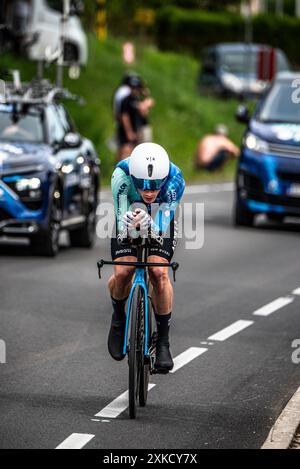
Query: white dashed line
x,y
273,306
76,441
187,356
116,407
120,404
231,330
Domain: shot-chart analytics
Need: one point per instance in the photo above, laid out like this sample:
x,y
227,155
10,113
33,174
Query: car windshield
x,y
18,126
243,63
280,106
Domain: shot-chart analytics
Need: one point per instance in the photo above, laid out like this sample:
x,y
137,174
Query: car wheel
x,y
47,243
71,54
242,217
85,236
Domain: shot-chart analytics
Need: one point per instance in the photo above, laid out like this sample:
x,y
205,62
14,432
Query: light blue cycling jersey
x,y
125,194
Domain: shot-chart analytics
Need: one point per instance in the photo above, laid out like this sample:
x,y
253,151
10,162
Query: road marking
x,y
273,306
187,356
231,330
116,407
120,404
76,441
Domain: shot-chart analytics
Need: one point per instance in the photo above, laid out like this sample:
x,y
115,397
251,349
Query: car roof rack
x,y
38,91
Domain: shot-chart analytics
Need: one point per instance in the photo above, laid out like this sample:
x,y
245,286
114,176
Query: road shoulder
x,y
283,432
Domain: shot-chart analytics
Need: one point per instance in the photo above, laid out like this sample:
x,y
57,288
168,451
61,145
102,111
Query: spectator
x,y
131,107
128,118
122,92
214,151
146,103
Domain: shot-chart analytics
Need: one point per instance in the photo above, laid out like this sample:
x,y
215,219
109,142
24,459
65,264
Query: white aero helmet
x,y
149,166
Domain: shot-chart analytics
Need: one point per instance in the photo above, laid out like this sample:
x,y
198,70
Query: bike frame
x,y
139,280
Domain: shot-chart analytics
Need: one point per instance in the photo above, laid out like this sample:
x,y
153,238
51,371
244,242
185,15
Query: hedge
x,y
179,29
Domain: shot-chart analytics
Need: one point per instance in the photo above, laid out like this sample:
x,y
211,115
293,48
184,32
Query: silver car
x,y
39,23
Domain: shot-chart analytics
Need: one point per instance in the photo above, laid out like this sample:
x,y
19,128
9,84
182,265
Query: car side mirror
x,y
242,114
72,140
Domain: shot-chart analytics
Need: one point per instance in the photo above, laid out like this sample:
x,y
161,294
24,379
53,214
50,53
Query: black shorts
x,y
218,161
166,251
122,137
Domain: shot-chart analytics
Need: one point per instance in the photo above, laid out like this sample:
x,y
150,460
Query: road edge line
x,y
283,431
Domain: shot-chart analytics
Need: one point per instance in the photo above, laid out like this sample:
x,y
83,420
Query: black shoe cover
x,y
164,362
116,339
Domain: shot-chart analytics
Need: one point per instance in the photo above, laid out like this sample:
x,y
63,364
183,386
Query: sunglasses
x,y
147,184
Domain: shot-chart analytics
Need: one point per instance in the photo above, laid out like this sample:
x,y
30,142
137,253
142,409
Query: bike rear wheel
x,y
145,362
135,356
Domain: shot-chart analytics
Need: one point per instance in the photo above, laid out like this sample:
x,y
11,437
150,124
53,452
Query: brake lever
x,y
175,267
100,264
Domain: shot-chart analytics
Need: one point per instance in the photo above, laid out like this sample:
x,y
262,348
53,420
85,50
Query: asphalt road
x,y
54,320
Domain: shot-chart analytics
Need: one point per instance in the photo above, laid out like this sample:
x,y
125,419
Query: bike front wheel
x,y
135,355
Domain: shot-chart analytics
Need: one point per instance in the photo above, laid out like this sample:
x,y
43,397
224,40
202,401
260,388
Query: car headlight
x,y
254,143
67,168
257,86
232,82
31,184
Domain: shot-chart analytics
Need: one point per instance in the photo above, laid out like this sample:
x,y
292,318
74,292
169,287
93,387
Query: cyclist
x,y
147,177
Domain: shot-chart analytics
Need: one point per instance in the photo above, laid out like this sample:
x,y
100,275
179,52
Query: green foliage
x,y
89,15
279,31
121,13
192,30
121,6
179,118
288,7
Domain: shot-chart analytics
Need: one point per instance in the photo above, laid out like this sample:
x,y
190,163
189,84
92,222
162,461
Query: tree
x,y
89,14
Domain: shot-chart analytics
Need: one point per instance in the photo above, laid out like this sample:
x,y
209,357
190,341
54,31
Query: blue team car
x,y
268,174
49,174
